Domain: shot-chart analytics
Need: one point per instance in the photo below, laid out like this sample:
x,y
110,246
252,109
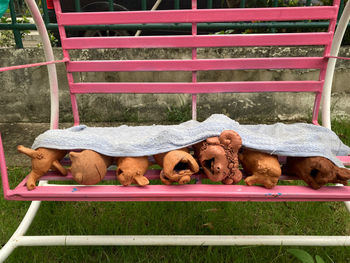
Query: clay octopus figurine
x,y
89,167
218,157
262,168
178,166
316,171
131,170
43,159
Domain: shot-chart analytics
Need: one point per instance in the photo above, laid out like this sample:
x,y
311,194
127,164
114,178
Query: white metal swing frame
x,y
20,239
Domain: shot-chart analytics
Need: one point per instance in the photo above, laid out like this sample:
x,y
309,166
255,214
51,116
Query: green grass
x,y
182,218
342,129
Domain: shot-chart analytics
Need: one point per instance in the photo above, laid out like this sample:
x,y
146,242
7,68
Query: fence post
x,y
110,5
16,33
77,6
144,5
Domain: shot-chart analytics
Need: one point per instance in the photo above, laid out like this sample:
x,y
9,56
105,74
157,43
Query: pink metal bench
x,y
193,192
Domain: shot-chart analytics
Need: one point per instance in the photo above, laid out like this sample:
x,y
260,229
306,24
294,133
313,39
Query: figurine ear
x,y
230,137
141,180
73,155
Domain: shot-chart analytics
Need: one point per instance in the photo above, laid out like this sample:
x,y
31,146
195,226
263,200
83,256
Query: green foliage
x,y
304,256
342,129
6,36
53,39
179,114
319,259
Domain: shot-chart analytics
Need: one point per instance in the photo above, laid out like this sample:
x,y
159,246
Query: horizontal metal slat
x,y
200,15
198,192
344,159
287,39
199,87
195,65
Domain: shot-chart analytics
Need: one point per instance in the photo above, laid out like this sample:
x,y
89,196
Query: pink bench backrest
x,y
195,41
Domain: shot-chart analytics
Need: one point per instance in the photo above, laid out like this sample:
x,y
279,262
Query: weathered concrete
x,y
25,96
25,102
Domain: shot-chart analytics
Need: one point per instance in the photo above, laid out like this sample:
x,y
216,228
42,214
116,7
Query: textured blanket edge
x,y
298,139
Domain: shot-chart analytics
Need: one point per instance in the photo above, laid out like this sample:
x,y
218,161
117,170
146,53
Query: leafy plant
x,y
304,256
6,36
179,114
53,39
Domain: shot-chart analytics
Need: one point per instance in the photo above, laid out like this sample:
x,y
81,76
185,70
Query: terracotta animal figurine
x,y
218,157
89,167
43,159
131,170
316,171
262,168
178,166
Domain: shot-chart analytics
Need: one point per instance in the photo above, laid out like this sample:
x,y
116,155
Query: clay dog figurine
x,y
262,168
218,157
89,167
43,159
178,166
131,170
316,171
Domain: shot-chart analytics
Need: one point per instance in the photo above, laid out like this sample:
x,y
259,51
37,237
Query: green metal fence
x,y
15,19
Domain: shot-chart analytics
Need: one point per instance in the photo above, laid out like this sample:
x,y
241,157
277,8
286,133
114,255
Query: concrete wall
x,y
25,96
25,108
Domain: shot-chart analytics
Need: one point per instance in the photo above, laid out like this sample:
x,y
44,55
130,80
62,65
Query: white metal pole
x,y
21,230
338,37
33,8
347,206
183,240
7,249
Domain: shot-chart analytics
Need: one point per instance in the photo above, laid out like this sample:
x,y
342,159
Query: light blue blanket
x,y
281,139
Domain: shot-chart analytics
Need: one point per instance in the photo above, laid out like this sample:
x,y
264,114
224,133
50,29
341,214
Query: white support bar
x,y
183,240
347,206
20,232
338,37
12,243
34,10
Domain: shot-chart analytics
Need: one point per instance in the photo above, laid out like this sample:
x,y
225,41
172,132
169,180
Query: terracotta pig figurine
x,y
262,168
316,171
43,159
89,167
218,157
131,170
178,166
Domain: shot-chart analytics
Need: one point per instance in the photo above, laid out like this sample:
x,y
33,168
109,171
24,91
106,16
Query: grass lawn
x,y
182,218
